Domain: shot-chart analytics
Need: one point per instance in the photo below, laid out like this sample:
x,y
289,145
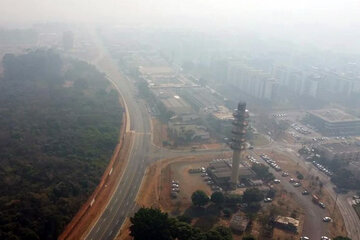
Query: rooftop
x,y
222,169
334,115
287,221
342,147
150,70
239,222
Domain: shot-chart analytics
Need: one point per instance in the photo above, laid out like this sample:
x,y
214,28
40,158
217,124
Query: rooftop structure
x,y
239,223
222,113
196,132
334,115
221,171
340,151
172,101
287,223
334,122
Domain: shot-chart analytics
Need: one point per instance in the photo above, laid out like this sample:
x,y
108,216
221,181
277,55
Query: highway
x,y
122,203
143,152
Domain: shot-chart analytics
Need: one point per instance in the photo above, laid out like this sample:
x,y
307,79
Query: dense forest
x,y
59,124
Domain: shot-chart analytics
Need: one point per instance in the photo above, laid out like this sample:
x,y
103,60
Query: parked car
x,y
268,200
276,181
322,205
305,192
304,238
325,238
327,219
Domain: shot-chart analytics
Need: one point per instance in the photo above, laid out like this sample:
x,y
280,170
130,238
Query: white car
x,y
304,238
267,200
327,219
276,181
325,238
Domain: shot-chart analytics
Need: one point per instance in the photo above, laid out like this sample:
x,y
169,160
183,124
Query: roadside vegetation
x,y
59,124
150,223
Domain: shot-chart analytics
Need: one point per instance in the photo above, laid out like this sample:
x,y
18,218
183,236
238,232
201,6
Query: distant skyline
x,y
323,21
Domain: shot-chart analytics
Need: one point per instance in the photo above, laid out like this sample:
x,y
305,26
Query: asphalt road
x,y
313,227
143,152
122,203
351,220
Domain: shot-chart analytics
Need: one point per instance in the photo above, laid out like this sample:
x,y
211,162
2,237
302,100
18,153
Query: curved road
x,y
143,152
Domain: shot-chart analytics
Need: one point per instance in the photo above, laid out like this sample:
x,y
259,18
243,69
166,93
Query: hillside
x,y
59,123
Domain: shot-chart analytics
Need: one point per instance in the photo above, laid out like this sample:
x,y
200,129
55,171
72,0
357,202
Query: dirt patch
x,y
159,132
155,189
213,146
260,140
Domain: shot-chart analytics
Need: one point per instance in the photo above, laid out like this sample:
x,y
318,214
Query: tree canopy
x,y
150,223
342,238
59,124
199,198
217,198
263,172
252,195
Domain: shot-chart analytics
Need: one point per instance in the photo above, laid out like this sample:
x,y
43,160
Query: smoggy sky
x,y
340,12
295,19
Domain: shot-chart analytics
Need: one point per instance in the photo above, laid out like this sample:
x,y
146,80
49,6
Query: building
x,y
334,122
251,81
173,102
286,223
340,151
220,171
188,132
239,223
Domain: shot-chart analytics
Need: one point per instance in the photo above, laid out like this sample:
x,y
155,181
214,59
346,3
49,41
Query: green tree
x,y
252,195
217,198
150,223
184,218
219,233
263,172
55,141
249,237
233,199
227,212
199,198
184,231
213,235
225,232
